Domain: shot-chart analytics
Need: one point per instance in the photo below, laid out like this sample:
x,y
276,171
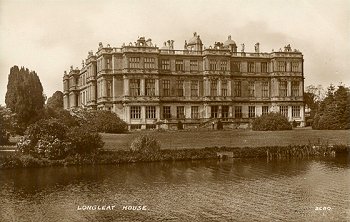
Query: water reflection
x,y
240,190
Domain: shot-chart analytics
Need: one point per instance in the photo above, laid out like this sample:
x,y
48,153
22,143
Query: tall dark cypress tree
x,y
24,95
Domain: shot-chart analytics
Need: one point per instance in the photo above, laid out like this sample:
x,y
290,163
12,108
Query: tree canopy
x,y
24,95
334,110
55,101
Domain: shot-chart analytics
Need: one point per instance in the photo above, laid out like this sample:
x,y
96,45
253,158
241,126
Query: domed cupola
x,y
195,43
229,43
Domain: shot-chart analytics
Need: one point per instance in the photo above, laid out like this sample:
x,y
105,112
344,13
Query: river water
x,y
210,190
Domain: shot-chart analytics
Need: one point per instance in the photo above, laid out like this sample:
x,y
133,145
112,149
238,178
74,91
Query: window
x,y
213,64
224,112
265,110
236,67
214,111
251,111
150,112
251,88
295,111
284,110
213,87
150,126
179,65
223,65
180,87
108,61
180,112
194,88
283,88
135,126
165,64
134,62
150,87
223,87
237,88
251,67
238,112
295,66
109,88
149,63
295,88
265,89
166,112
166,87
135,112
281,66
264,67
193,65
194,112
134,87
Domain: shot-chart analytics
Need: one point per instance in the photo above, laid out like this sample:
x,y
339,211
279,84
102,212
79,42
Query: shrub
x,y
145,144
271,122
45,138
100,121
180,125
108,122
219,125
4,136
51,139
83,140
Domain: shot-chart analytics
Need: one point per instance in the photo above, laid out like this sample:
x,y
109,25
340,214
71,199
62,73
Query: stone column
x,y
229,88
219,88
289,88
290,113
302,116
142,87
114,87
158,113
143,114
157,87
104,87
126,86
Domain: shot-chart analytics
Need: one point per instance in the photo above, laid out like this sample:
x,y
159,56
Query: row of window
x,y
135,112
150,88
149,63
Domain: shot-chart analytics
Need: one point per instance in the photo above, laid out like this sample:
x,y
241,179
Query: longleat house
x,y
157,87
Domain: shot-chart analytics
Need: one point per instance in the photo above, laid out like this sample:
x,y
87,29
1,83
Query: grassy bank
x,y
17,160
231,138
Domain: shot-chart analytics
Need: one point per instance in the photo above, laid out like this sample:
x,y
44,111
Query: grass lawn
x,y
231,138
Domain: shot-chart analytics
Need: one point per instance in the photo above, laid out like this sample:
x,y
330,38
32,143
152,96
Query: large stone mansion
x,y
156,87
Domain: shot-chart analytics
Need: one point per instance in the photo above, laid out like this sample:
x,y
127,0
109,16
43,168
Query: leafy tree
x,y
8,122
4,136
55,101
334,110
313,96
271,122
24,95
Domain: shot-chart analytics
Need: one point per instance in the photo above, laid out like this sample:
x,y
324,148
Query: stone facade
x,y
156,87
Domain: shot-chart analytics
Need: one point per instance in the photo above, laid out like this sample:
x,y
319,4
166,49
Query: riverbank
x,y
197,139
17,160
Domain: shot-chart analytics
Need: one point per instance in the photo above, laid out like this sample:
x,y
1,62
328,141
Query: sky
x,y
48,36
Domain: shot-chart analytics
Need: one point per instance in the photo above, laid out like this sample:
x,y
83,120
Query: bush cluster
x,y
145,144
49,138
271,122
106,122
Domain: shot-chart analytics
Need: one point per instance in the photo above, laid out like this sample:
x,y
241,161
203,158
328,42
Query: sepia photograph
x,y
174,110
